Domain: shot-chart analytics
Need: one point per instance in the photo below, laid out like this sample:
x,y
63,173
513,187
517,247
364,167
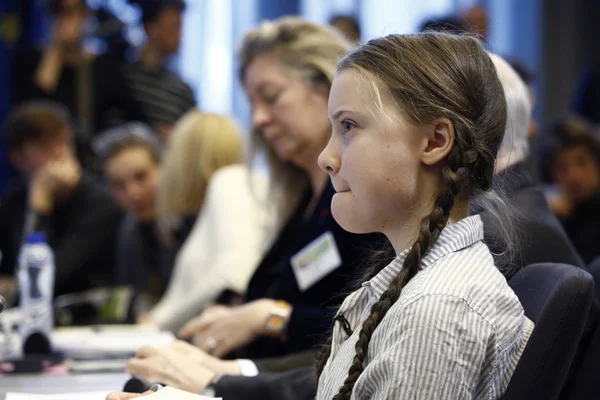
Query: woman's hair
x,y
114,141
314,51
33,121
515,146
431,76
199,146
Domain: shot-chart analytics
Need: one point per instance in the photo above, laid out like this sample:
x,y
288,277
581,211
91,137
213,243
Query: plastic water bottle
x,y
36,286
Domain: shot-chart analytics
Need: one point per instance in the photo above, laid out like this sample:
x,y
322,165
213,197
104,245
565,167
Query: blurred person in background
x,y
572,162
131,157
449,24
528,78
586,101
477,21
162,198
162,96
348,26
91,86
541,238
78,218
201,144
233,221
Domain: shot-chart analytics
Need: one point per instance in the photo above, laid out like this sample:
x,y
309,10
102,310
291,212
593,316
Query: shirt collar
x,y
457,236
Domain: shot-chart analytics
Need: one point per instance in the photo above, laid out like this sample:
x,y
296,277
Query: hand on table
x,y
221,330
216,365
170,367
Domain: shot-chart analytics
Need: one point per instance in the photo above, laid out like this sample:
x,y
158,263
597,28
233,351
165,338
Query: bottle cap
x,y
36,237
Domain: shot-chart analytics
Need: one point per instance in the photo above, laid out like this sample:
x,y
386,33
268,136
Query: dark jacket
x,y
583,227
145,262
314,308
540,236
111,100
298,384
80,231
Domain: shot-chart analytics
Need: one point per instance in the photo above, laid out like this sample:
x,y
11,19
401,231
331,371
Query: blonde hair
x,y
199,146
313,51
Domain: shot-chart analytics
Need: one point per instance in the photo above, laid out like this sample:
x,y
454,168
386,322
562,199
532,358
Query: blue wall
x,y
21,25
271,9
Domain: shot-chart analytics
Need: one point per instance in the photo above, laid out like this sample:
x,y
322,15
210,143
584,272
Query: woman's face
x,y
290,114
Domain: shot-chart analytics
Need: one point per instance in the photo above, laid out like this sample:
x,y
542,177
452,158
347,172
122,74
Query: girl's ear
x,y
440,141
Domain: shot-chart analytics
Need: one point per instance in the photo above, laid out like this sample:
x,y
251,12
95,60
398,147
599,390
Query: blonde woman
x,y
231,228
200,145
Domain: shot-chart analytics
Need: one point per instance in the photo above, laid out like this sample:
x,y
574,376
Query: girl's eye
x,y
347,126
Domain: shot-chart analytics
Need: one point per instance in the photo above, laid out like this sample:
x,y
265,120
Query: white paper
x,y
108,340
62,396
167,393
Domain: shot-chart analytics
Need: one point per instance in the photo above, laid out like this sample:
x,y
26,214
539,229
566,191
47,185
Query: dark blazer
x,y
583,227
298,384
142,260
80,231
314,308
540,235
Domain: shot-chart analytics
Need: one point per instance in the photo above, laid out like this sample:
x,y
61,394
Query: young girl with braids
x,y
417,121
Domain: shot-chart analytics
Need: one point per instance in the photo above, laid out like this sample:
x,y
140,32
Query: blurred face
x,y
69,21
290,115
347,30
477,19
133,175
533,125
35,154
165,33
373,159
576,171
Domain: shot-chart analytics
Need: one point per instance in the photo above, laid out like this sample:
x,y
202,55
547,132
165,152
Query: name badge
x,y
316,260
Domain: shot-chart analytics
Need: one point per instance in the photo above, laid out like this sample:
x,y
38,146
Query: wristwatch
x,y
278,317
211,389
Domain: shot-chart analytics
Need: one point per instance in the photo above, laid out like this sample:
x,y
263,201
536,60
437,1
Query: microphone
x,y
345,324
2,304
139,385
135,385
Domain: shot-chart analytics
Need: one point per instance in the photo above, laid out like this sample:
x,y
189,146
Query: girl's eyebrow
x,y
336,115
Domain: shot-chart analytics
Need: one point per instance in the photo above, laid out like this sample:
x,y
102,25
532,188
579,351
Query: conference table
x,y
72,383
97,340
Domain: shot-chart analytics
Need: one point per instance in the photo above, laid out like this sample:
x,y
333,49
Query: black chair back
x,y
585,382
557,298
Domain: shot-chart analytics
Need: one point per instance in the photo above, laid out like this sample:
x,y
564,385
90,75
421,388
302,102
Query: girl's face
x,y
385,169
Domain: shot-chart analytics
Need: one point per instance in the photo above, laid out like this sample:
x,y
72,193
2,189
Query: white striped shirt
x,y
456,332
